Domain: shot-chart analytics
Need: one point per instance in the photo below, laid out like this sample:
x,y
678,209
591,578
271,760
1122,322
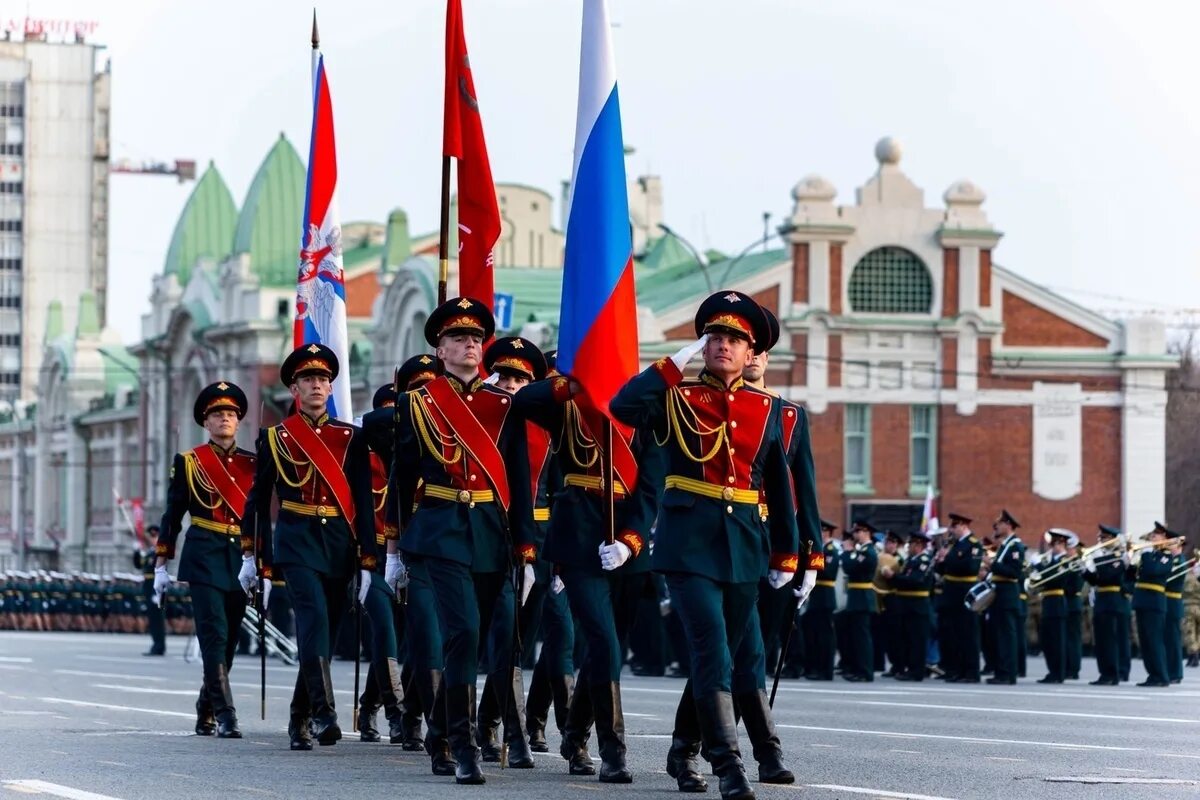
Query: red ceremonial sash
x,y
473,437
539,454
222,481
318,453
624,464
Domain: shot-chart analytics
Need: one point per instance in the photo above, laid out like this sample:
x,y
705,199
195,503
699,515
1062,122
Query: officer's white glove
x,y
364,585
266,594
527,581
161,581
614,555
1089,564
492,379
806,585
247,574
777,578
395,574
557,585
688,352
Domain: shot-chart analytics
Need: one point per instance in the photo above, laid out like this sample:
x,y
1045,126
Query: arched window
x,y
891,280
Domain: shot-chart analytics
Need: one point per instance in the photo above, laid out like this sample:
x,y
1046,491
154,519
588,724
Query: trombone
x,y
1071,563
277,643
1183,568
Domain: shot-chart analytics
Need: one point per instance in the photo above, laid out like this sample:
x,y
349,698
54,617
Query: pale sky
x,y
1078,118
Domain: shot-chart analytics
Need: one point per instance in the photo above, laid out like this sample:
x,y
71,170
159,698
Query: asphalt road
x,y
85,716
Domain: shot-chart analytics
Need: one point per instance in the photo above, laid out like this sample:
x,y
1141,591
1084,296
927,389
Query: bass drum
x,y
980,597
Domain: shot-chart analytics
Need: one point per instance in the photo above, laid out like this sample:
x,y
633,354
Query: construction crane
x,y
184,170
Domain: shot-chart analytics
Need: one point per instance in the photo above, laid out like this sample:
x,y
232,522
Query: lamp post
x,y
701,259
143,415
783,230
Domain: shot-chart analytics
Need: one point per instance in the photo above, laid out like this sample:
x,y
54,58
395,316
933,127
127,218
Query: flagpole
x,y
444,233
316,52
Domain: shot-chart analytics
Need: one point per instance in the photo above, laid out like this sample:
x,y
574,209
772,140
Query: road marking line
x,y
125,675
874,792
1037,712
645,716
1178,755
31,713
1113,779
42,787
1126,769
139,733
15,668
114,763
946,737
16,660
908,752
1002,758
144,689
817,744
116,708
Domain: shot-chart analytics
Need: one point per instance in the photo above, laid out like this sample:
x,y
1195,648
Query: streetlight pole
x,y
782,230
701,259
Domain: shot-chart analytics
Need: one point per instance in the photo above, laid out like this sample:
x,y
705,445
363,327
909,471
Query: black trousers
x,y
914,634
817,625
1105,629
861,649
1053,634
218,616
1006,628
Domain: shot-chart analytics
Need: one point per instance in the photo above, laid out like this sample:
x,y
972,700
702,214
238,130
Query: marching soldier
x,y
384,684
1150,603
1173,621
1110,617
1075,594
208,482
910,592
958,564
470,537
604,582
724,446
1052,588
885,623
817,622
144,561
859,565
1008,576
324,535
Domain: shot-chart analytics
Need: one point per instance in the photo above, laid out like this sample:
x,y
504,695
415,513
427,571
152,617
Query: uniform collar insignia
x,y
321,420
221,450
455,383
718,384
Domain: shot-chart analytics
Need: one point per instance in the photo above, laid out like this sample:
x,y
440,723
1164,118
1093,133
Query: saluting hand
x,y
688,352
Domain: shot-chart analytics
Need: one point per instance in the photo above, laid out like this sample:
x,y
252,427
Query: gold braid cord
x,y
196,478
679,414
382,495
423,421
277,452
575,435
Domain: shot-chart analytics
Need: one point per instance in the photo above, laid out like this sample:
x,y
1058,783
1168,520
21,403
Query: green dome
x,y
205,227
268,227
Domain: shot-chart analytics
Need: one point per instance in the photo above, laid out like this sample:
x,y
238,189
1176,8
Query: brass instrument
x,y
1072,563
1183,568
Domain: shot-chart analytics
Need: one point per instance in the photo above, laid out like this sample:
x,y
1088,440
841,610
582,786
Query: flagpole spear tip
x,y
316,37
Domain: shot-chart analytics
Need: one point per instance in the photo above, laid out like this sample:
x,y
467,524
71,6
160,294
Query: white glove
x,y
395,574
1089,564
247,574
806,585
614,555
688,352
557,585
266,594
364,585
161,581
492,379
527,581
777,579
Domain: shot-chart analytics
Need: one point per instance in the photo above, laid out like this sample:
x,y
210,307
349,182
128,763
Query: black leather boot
x,y
206,725
719,732
610,732
320,697
519,755
760,728
460,719
411,709
433,698
222,702
537,710
489,722
562,687
368,705
683,762
391,694
575,734
299,717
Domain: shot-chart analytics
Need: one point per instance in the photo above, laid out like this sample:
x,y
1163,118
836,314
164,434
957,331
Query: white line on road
x,y
1126,769
1037,712
144,689
976,739
907,752
1178,755
116,708
42,787
1002,758
125,675
139,733
31,713
16,660
874,792
1109,779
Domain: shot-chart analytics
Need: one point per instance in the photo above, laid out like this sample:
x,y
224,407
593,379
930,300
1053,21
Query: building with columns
x,y
921,360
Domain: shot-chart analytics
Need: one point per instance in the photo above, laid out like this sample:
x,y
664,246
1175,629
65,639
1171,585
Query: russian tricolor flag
x,y
321,284
598,339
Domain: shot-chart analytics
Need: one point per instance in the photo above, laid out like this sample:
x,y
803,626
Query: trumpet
x,y
1136,546
1072,563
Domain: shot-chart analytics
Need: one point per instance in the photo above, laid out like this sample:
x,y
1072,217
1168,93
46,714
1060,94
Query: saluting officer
x,y
462,457
1007,575
209,483
604,582
817,621
723,441
1150,605
910,592
1110,616
859,565
959,565
320,469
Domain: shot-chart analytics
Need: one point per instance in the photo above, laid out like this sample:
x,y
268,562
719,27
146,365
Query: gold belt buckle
x,y
464,496
727,493
321,511
232,530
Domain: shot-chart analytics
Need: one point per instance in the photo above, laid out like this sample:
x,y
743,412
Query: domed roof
x,y
268,228
813,187
887,151
963,191
205,226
